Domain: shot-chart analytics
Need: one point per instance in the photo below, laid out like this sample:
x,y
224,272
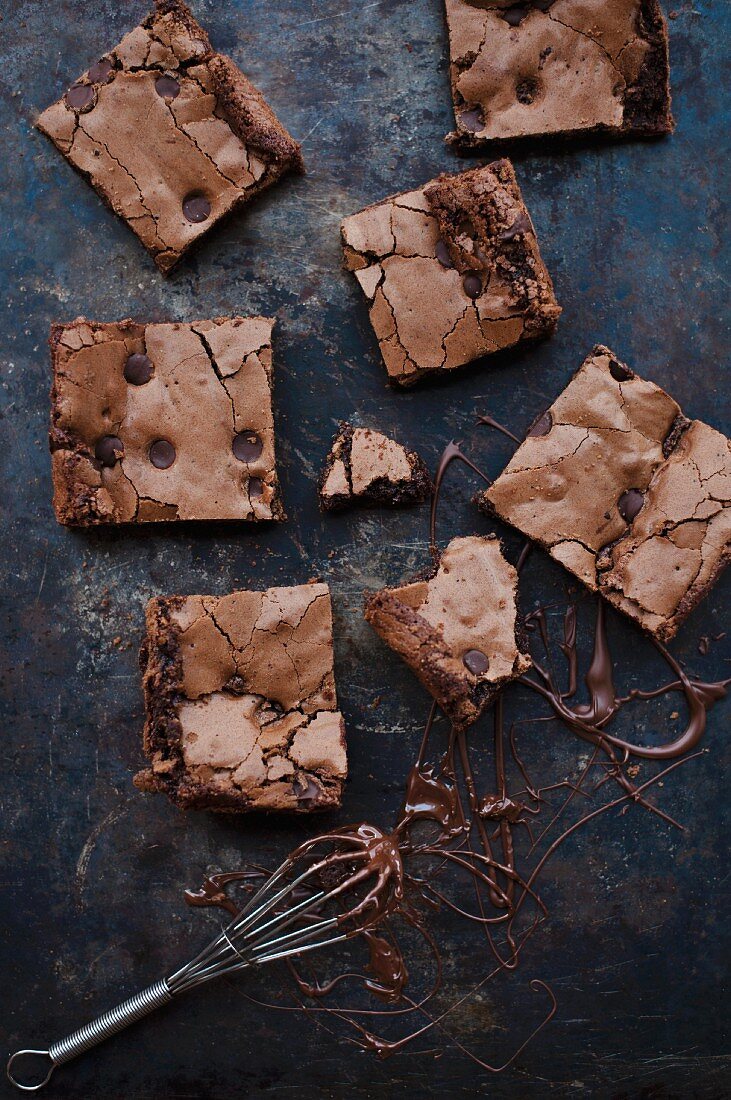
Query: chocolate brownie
x,y
170,133
558,67
366,467
241,711
622,489
457,628
163,422
452,271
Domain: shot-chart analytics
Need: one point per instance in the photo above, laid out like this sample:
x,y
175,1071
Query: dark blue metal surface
x,y
633,236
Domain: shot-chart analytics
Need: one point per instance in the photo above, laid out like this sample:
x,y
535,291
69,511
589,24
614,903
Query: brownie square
x,y
170,133
457,628
558,67
452,271
163,422
364,466
240,703
626,492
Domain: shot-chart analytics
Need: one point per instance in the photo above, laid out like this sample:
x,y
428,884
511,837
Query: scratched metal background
x,y
92,872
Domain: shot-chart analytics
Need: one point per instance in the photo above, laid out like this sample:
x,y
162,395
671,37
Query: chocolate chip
x,y
138,369
472,285
196,207
542,425
630,503
515,15
520,225
306,789
256,488
162,454
526,91
167,87
476,661
109,449
247,446
100,73
473,119
518,12
442,254
619,372
80,96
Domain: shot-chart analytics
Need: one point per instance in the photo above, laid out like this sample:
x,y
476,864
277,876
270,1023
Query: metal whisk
x,y
310,902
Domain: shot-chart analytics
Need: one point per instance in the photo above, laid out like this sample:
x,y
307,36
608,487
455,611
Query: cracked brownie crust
x,y
366,467
170,133
240,702
628,494
558,67
163,422
457,629
452,272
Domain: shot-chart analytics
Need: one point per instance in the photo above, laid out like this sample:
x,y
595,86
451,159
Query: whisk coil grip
x,y
144,1002
111,1022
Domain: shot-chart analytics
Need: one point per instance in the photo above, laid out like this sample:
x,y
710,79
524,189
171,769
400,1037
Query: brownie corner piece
x,y
161,422
538,68
364,466
451,271
228,726
457,629
170,133
626,492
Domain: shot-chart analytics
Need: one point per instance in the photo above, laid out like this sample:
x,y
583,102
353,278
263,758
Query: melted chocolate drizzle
x,y
589,721
448,832
491,423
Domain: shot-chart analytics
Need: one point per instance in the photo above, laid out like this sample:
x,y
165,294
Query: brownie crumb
x,y
365,466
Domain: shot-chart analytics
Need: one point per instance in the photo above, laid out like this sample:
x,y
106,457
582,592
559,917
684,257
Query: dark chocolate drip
x,y
589,721
213,890
700,697
388,967
523,557
429,797
490,423
568,648
600,676
386,977
451,452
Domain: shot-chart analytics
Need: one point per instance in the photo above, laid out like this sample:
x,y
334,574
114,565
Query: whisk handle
x,y
94,1032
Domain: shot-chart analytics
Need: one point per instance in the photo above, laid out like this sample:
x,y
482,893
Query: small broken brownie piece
x,y
624,491
452,272
366,467
170,133
163,422
241,711
457,629
558,67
